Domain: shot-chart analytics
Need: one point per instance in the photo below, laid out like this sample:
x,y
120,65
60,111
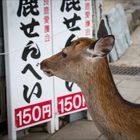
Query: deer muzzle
x,y
45,69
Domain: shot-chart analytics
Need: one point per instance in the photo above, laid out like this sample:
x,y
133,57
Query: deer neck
x,y
99,90
98,81
106,106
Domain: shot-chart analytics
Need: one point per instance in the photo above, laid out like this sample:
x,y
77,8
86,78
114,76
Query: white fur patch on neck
x,y
92,55
92,59
90,51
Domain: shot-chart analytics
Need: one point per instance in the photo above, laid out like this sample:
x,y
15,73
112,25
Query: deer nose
x,y
42,65
45,69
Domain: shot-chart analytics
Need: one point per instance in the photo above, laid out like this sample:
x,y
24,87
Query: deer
x,y
84,61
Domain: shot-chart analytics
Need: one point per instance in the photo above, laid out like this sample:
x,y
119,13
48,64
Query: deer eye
x,y
64,54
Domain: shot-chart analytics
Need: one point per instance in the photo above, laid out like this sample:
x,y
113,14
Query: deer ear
x,y
102,31
102,46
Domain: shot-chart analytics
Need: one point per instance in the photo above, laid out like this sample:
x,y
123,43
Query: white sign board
x,y
71,20
28,39
34,30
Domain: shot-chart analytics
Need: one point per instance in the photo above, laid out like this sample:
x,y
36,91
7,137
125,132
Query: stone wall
x,y
132,11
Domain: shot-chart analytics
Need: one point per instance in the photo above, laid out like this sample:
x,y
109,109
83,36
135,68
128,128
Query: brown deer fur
x,y
84,62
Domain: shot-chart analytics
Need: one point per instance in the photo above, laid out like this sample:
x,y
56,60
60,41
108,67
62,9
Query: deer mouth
x,y
48,73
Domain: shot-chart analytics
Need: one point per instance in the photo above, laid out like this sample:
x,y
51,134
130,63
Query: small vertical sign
x,y
74,19
28,39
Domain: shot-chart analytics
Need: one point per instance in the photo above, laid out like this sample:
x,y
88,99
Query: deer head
x,y
81,54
